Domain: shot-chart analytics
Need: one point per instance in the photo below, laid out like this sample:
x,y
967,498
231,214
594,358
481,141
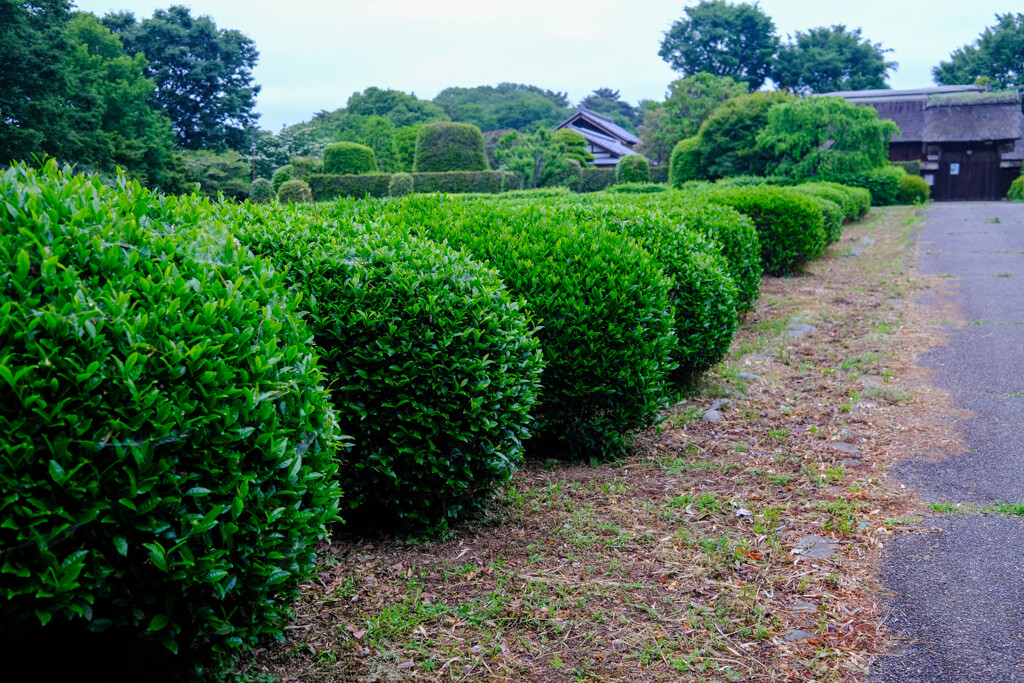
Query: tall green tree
x,y
203,74
33,78
539,159
830,59
608,102
825,136
728,143
723,39
997,54
379,135
399,108
505,106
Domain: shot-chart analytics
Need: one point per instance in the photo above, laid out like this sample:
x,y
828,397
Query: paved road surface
x,y
958,596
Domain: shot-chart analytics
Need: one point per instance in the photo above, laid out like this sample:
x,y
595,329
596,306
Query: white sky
x,y
315,53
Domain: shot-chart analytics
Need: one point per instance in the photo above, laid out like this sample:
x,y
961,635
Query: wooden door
x,y
967,173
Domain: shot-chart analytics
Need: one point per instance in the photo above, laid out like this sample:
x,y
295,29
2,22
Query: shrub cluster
x,y
432,364
684,164
633,168
593,179
790,225
325,186
913,190
446,146
400,185
1016,191
296,191
168,447
659,174
349,158
883,184
261,191
299,168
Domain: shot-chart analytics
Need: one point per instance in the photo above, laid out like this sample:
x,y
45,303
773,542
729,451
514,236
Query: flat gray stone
x,y
800,330
847,448
815,547
795,634
713,416
719,403
804,606
852,462
748,377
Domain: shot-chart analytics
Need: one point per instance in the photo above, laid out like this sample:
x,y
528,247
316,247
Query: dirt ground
x,y
740,550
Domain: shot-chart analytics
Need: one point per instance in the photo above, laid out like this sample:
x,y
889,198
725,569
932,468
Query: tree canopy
x,y
830,59
608,102
729,138
722,39
504,106
997,54
203,74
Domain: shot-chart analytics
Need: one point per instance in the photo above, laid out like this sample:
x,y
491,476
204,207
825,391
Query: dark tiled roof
x,y
603,141
600,121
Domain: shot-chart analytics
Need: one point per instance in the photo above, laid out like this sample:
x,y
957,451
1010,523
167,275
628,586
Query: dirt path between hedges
x,y
958,594
742,545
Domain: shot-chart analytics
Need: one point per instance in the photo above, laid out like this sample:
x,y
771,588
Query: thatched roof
x,y
975,120
908,115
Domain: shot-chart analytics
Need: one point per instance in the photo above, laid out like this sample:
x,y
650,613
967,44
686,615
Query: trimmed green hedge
x,y
684,164
835,193
326,187
832,218
593,179
378,184
349,158
883,184
400,185
659,174
911,167
432,364
602,303
445,146
261,191
632,168
168,449
914,190
1016,191
790,225
296,191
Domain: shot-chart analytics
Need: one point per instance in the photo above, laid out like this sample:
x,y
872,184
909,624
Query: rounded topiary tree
x,y
349,158
296,191
448,146
913,190
633,168
261,191
684,164
282,175
400,184
168,448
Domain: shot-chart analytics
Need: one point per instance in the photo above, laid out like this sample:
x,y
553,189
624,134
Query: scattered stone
x,y
749,377
871,381
468,669
815,547
406,665
847,448
859,248
713,416
800,330
852,462
744,513
795,634
475,650
719,403
618,645
803,606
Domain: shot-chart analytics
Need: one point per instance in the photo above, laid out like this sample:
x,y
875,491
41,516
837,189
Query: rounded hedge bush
x,y
632,168
914,190
261,191
400,185
448,146
790,226
834,193
602,303
168,448
684,162
296,191
1016,191
432,363
282,175
883,184
832,218
349,158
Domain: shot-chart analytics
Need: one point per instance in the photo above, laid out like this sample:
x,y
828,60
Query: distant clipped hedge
x,y
261,191
883,184
789,225
349,158
659,174
1016,191
914,190
379,184
168,449
432,364
684,163
446,146
602,303
832,218
593,179
297,191
400,185
835,193
632,168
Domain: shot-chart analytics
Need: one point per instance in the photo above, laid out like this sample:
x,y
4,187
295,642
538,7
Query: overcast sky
x,y
315,53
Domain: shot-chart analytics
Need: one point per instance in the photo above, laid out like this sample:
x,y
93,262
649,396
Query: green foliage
x,y
883,184
505,106
294,191
690,101
203,74
996,55
400,185
741,181
286,172
168,447
538,159
685,163
326,186
379,136
445,147
913,190
838,194
216,173
832,217
911,167
300,168
632,168
399,108
573,145
1016,191
659,174
602,303
349,158
274,150
722,39
789,225
261,191
830,59
729,137
825,136
593,179
405,147
432,364
636,188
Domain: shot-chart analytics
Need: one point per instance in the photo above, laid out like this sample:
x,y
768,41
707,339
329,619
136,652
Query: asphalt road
x,y
958,596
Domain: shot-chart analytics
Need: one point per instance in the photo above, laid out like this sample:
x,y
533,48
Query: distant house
x,y
968,140
605,140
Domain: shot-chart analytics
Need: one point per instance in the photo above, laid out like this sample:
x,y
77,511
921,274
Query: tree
x,y
396,106
825,136
539,159
379,135
217,172
203,75
504,106
655,140
728,139
831,59
606,101
33,81
724,40
998,54
574,145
